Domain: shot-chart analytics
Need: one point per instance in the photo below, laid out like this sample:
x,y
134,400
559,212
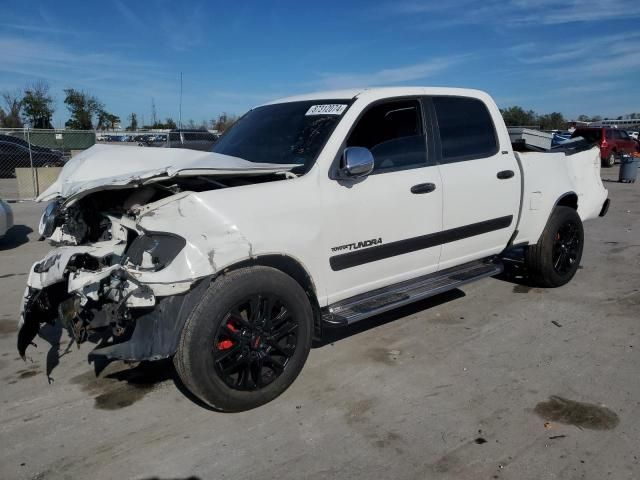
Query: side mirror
x,y
357,162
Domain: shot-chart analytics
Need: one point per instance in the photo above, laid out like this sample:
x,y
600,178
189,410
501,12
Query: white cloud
x,y
586,60
35,58
183,28
389,76
129,15
508,13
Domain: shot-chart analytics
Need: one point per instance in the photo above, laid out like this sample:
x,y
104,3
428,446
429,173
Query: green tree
x,y
133,122
82,107
37,105
168,124
107,120
552,121
13,102
587,118
517,116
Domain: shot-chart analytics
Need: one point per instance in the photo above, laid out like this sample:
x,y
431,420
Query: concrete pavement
x,y
499,381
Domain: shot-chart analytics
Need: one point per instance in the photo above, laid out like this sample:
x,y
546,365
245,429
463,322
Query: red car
x,y
612,142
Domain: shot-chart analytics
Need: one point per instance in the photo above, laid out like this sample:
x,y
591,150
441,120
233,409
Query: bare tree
x,y
13,102
223,122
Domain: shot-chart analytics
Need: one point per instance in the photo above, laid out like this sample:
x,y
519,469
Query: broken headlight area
x,y
86,222
153,251
51,218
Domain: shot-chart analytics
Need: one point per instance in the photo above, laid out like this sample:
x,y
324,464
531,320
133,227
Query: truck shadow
x,y
126,386
143,378
331,335
16,236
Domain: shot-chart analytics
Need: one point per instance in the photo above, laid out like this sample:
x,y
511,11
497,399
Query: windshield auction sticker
x,y
328,109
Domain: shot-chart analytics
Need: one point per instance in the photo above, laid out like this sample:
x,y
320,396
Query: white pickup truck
x,y
313,211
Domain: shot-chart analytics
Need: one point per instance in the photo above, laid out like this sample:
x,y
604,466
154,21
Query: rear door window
x,y
623,135
466,129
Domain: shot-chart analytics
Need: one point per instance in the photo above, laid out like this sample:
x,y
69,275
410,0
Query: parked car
x,y
232,261
191,139
14,153
6,218
612,142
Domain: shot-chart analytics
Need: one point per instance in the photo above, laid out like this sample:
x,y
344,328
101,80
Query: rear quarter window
x,y
466,129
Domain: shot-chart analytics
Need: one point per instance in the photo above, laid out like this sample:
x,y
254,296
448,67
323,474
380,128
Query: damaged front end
x,y
134,251
94,284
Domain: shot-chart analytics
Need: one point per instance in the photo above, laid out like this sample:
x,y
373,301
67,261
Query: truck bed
x,y
550,175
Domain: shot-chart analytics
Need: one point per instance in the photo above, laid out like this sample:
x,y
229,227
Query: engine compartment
x,y
83,221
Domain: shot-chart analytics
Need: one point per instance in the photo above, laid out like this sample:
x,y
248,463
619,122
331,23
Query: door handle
x,y
423,188
504,174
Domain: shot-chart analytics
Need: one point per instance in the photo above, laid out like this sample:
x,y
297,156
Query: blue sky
x,y
575,57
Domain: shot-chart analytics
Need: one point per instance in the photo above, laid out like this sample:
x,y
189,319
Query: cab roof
x,y
379,92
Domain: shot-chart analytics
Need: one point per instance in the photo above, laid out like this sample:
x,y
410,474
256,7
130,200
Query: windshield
x,y
284,133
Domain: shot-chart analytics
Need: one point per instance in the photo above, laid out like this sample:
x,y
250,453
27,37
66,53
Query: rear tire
x,y
247,340
554,260
610,161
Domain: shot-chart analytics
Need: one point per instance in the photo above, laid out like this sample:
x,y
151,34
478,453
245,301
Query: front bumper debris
x,y
98,299
83,289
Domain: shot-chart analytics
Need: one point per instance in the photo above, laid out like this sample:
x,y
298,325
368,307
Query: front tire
x,y
247,340
554,260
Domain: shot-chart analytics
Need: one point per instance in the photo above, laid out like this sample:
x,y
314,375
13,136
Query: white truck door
x,y
378,230
481,180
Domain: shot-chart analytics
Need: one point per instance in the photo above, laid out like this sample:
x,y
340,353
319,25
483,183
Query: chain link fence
x,y
31,159
193,139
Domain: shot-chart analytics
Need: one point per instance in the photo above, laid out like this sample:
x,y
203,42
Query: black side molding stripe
x,y
400,247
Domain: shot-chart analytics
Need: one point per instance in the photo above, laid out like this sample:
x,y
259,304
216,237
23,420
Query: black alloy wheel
x,y
255,342
566,248
247,339
554,259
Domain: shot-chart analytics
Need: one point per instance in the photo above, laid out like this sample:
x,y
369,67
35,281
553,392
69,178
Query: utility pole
x,y
180,107
154,117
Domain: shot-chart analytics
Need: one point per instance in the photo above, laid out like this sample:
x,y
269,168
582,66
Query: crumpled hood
x,y
114,166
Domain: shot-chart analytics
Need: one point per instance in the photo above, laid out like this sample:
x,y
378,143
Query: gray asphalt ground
x,y
499,381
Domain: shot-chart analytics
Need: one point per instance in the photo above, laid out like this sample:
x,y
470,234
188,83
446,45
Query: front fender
x,y
213,240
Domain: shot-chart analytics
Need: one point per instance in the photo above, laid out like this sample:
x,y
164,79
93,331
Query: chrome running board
x,y
359,307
